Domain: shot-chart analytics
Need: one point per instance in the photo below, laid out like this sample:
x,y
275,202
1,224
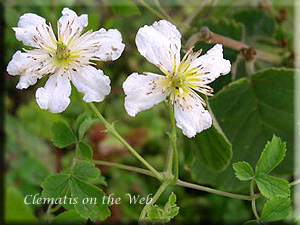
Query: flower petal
x,y
70,25
160,44
190,115
33,31
92,82
30,67
55,95
142,92
101,45
211,65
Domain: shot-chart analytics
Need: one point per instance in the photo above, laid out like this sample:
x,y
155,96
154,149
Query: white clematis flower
x,y
160,45
65,58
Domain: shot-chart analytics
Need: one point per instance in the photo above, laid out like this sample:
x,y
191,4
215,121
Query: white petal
x,y
100,45
190,115
213,64
92,82
142,92
55,95
160,44
28,66
33,31
70,25
111,46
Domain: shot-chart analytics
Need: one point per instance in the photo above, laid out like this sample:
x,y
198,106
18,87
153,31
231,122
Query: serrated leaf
x,y
155,213
62,135
271,156
210,149
84,151
69,217
272,186
276,208
85,170
172,200
243,170
250,111
87,192
165,214
54,185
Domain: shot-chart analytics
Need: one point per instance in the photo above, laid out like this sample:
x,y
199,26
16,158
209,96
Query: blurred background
x,y
30,156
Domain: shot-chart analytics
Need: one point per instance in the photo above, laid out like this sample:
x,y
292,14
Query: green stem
x,y
110,128
124,167
173,139
179,182
154,199
253,201
293,183
169,160
161,9
213,191
54,209
142,2
48,213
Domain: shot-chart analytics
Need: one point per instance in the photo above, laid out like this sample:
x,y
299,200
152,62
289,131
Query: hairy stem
x,y
173,139
253,201
213,191
124,167
154,199
179,182
110,128
169,159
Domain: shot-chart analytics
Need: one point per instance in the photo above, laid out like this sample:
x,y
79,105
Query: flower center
x,y
177,81
62,52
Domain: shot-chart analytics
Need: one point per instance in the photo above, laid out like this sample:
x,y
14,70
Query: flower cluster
x,y
70,56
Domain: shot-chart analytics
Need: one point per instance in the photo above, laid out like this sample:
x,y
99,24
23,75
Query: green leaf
x,y
62,135
54,185
271,156
155,213
36,119
69,217
84,151
125,7
84,192
212,149
243,170
250,111
276,208
257,22
16,211
85,125
272,186
79,121
171,209
85,170
165,214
